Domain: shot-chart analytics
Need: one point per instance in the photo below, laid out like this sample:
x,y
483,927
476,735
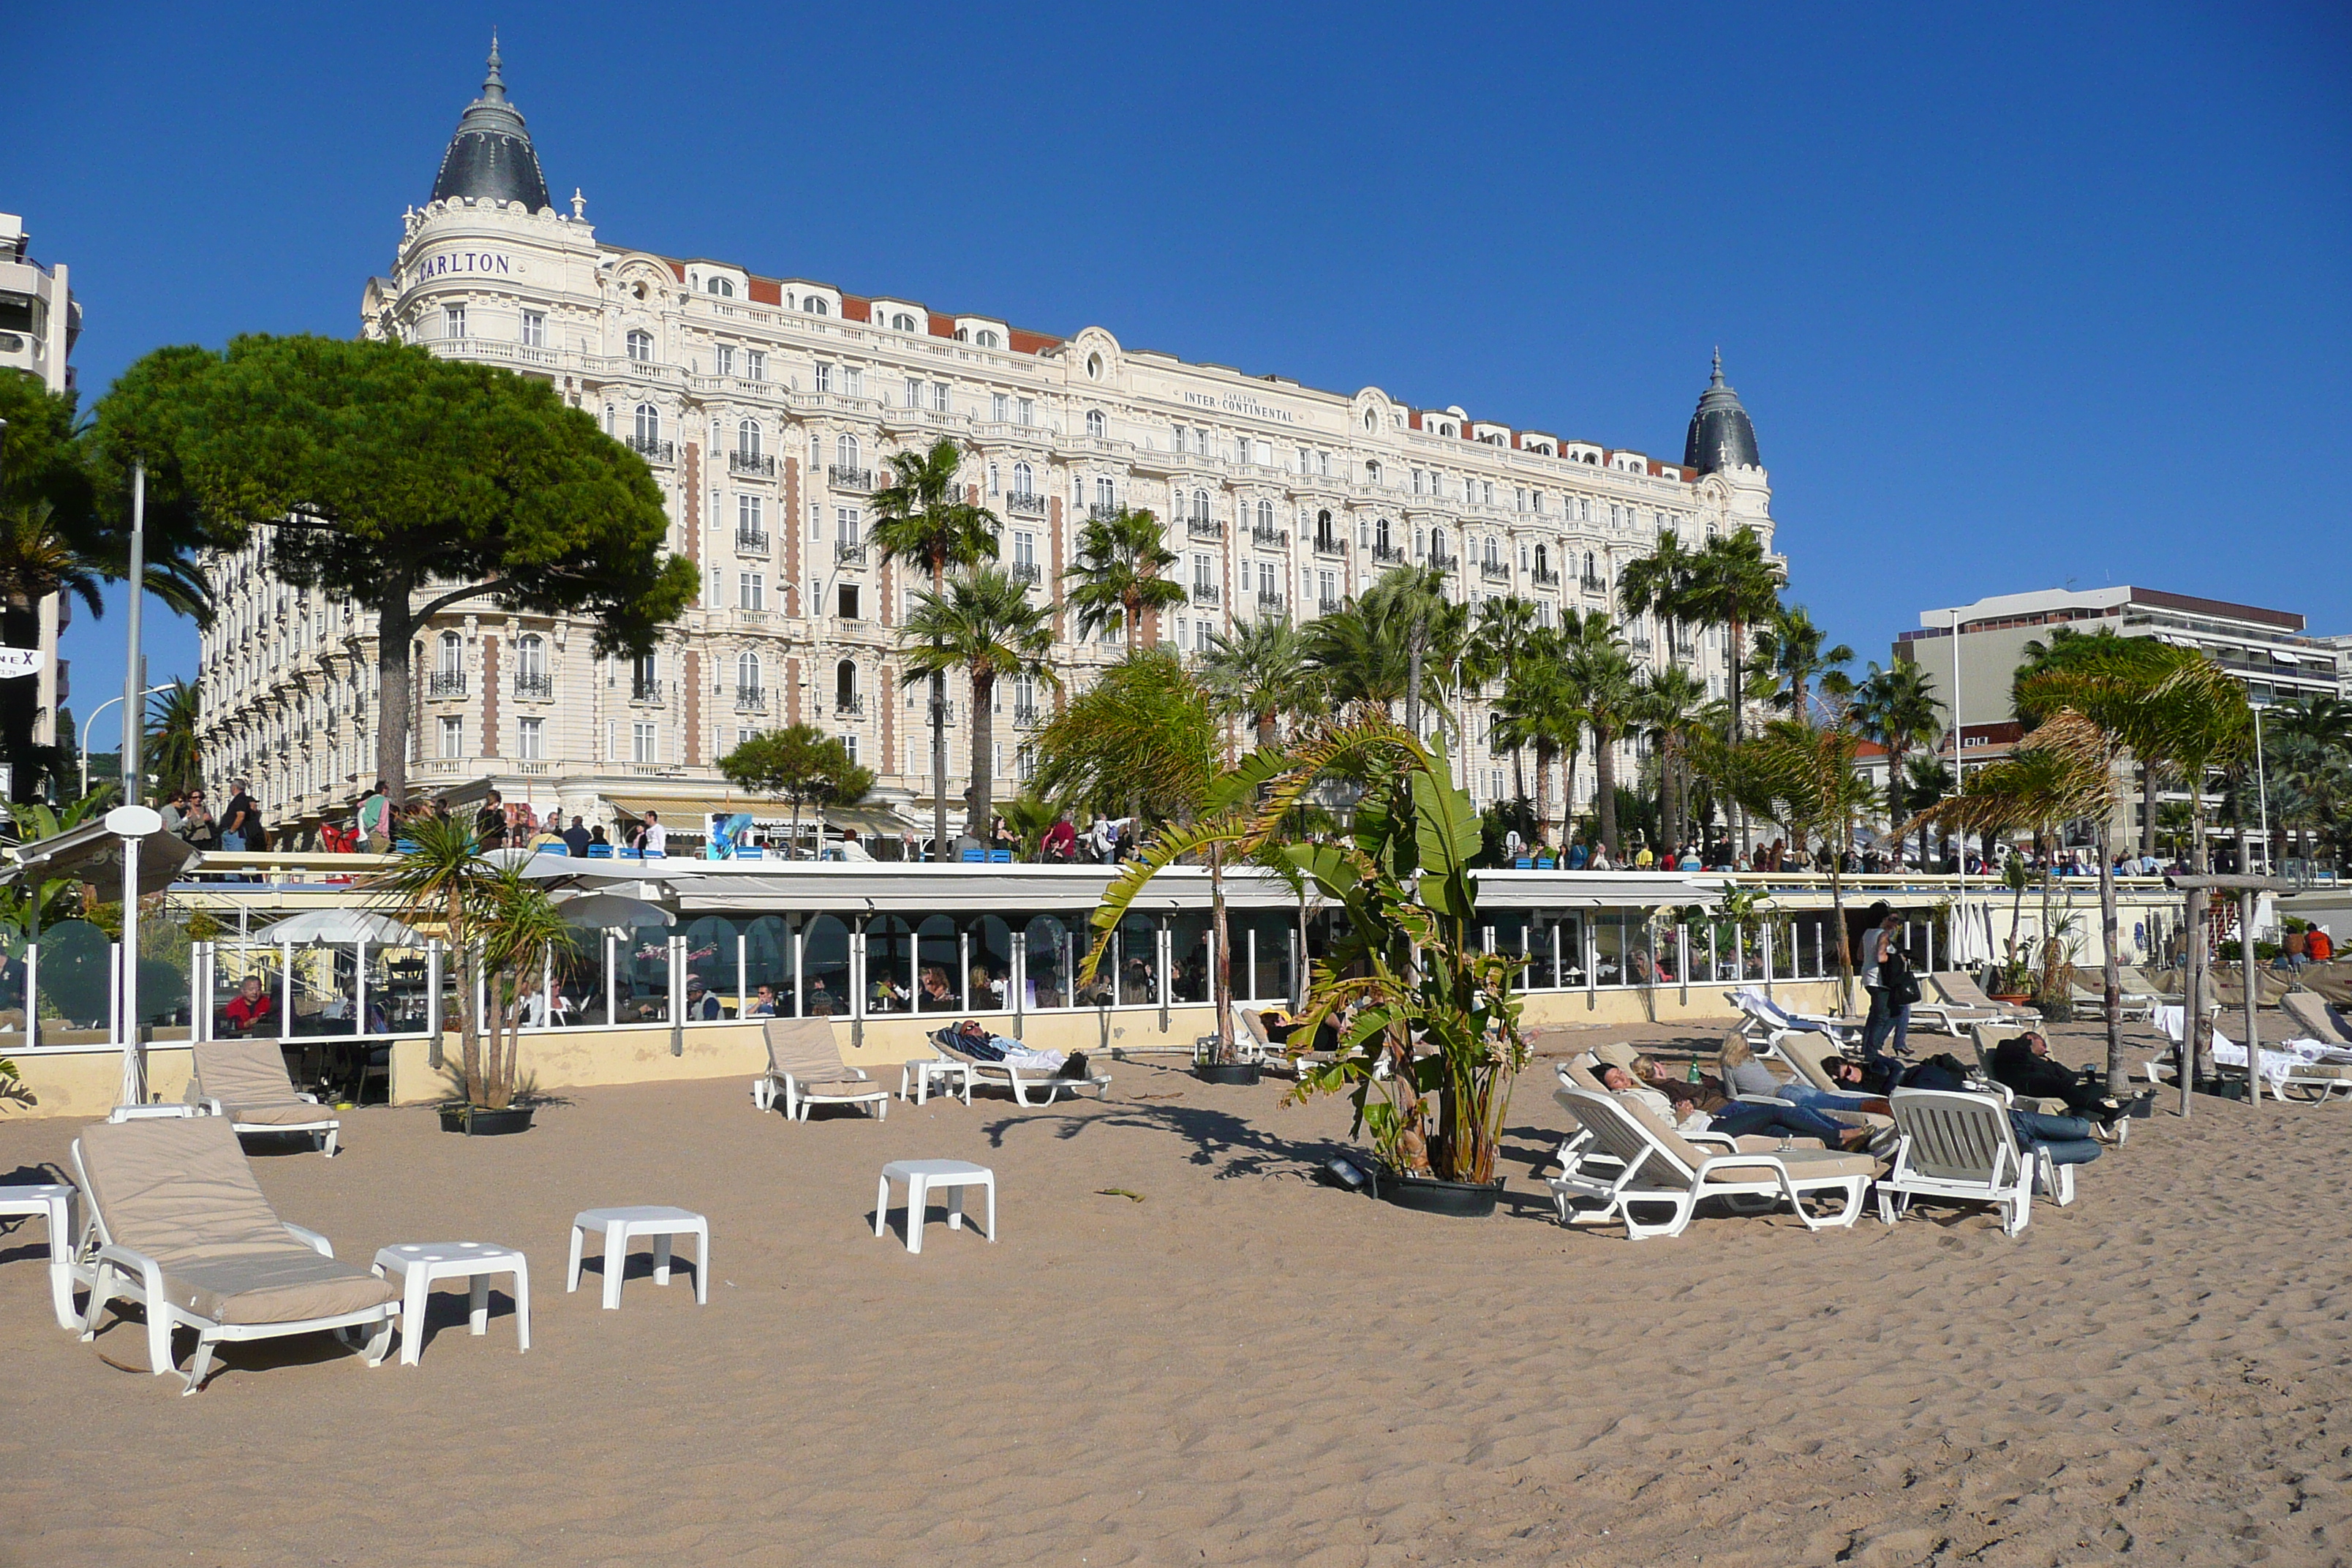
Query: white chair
x,y
245,1080
1630,1159
1961,1146
658,1221
183,1227
805,1070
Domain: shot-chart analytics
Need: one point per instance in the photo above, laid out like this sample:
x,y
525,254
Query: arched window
x,y
1371,471
649,424
722,287
1490,558
747,437
641,347
816,306
747,674
1543,559
1265,515
987,340
530,658
1094,423
1380,535
845,686
902,322
844,451
453,654
1588,565
1025,480
1200,506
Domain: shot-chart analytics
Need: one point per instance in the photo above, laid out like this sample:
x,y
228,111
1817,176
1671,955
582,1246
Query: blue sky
x,y
2016,297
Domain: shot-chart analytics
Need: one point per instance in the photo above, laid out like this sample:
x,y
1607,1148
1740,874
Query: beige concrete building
x,y
767,406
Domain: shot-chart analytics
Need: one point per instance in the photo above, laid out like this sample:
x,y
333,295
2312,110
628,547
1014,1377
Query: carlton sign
x,y
459,263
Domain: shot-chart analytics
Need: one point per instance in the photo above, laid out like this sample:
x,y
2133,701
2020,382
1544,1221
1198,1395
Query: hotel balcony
x,y
445,683
849,554
843,478
759,464
1205,594
537,685
1028,504
753,540
1204,528
653,451
1025,572
1270,538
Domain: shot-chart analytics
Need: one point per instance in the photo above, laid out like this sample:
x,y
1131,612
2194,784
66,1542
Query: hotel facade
x,y
768,406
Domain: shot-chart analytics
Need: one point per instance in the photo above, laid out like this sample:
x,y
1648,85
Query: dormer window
x,y
902,322
722,287
816,306
986,340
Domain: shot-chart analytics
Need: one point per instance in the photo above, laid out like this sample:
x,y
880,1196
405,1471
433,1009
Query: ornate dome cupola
x,y
492,157
1720,435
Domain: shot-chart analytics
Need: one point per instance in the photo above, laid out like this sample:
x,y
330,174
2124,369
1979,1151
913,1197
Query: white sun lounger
x,y
1029,1086
2130,1004
805,1070
2316,1070
1761,1017
1655,1165
182,1226
1961,1146
245,1080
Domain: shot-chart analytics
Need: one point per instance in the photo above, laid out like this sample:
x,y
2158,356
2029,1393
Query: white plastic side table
x,y
921,1176
420,1263
924,1073
658,1221
55,1201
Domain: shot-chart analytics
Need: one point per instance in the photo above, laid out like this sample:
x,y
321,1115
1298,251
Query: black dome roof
x,y
1720,435
491,155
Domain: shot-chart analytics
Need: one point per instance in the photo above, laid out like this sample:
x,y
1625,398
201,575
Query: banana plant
x,y
1428,1023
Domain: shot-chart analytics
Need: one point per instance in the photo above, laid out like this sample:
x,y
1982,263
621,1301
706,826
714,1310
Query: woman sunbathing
x,y
971,1038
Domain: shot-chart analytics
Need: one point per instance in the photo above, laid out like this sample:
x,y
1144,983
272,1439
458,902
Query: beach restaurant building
x,y
767,407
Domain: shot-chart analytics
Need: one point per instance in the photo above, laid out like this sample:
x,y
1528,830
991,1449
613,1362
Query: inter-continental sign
x,y
450,263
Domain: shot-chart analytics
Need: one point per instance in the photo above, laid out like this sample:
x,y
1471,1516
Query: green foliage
x,y
172,751
801,763
1790,658
1606,693
382,471
1429,1022
1259,672
984,624
1142,738
1120,574
921,517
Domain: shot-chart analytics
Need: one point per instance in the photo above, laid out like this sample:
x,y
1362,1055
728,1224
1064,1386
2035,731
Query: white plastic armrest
x,y
860,1073
150,1273
1723,1139
212,1107
309,1098
310,1239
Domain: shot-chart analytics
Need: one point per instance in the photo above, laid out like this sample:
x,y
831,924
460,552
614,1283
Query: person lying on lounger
x,y
2023,1064
1737,1119
971,1039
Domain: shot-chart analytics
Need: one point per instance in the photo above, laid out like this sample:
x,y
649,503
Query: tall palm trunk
x,y
938,733
1223,976
2112,984
1268,736
984,756
1604,789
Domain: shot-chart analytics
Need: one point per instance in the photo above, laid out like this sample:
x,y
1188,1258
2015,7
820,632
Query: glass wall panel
x,y
890,965
768,961
940,966
1139,961
989,977
710,968
825,968
1045,963
1187,938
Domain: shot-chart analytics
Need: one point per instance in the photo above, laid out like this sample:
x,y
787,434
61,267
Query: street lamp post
x,y
91,723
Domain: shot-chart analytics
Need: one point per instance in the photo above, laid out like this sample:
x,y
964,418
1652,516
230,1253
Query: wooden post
x,y
2246,898
2192,995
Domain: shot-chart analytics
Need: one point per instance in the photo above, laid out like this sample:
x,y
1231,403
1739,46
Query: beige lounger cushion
x,y
805,1049
1801,1164
2309,1009
291,1113
248,1078
180,1191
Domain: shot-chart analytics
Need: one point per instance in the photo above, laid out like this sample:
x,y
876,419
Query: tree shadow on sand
x,y
1226,1144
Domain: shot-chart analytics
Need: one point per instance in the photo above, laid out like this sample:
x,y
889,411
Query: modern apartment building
x,y
767,406
2269,650
39,321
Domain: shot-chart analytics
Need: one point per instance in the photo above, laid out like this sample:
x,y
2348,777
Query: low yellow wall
x,y
82,1082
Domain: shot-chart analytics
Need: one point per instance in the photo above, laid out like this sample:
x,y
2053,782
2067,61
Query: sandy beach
x,y
1244,1366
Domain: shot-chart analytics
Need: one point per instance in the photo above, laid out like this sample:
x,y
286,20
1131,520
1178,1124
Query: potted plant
x,y
1430,1046
504,929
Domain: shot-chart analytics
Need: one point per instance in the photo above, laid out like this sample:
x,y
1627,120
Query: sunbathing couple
x,y
1706,1106
2021,1064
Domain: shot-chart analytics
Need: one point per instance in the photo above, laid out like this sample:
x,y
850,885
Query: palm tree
x,y
1142,739
175,756
1660,584
1789,655
1497,644
439,878
922,516
1897,708
1393,645
2139,695
35,560
985,625
1732,586
1803,776
1120,562
1259,672
1538,709
1929,777
1673,708
1601,678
